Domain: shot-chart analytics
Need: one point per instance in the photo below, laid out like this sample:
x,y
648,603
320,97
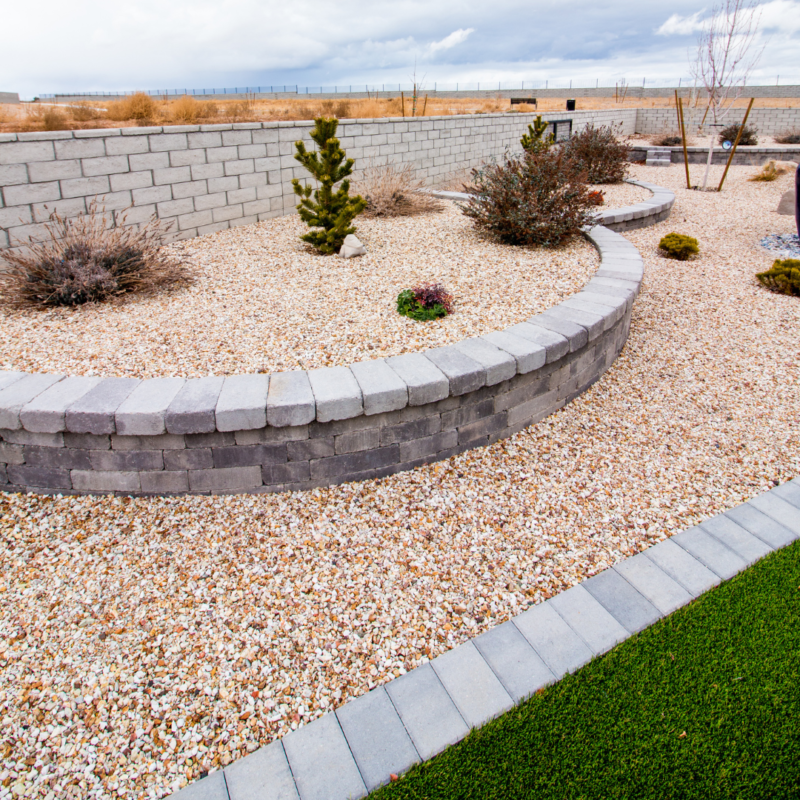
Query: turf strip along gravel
x,y
360,747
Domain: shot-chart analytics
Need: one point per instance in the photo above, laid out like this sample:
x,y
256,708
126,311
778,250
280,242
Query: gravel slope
x,y
146,641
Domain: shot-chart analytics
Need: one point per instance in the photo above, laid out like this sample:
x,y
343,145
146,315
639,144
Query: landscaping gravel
x,y
265,302
146,641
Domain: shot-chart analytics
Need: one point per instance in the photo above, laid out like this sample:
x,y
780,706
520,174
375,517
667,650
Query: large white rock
x,y
352,247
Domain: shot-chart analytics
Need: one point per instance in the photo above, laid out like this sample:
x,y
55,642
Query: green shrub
x,y
533,141
426,302
676,245
599,154
730,133
783,277
538,199
330,211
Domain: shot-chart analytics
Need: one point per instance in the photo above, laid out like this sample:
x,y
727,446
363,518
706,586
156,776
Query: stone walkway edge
x,y
350,752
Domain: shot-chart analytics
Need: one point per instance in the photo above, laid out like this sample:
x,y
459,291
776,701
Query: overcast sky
x,y
51,46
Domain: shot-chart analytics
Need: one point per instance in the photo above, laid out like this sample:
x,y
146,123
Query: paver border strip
x,y
349,752
303,429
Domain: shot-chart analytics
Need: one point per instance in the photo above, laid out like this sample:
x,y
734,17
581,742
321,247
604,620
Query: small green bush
x,y
730,133
783,277
534,140
426,302
676,245
599,154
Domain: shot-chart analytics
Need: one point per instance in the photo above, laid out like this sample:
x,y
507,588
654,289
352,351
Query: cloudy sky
x,y
52,46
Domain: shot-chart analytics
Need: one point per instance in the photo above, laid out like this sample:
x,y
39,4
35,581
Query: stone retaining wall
x,y
298,430
206,178
744,156
768,121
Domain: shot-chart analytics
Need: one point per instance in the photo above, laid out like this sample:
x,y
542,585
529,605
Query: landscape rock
x,y
352,247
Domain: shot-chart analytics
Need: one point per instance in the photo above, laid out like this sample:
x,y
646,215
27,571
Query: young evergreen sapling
x,y
533,141
330,213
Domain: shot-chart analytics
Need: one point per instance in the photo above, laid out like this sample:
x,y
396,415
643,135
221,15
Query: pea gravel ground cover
x,y
146,641
704,704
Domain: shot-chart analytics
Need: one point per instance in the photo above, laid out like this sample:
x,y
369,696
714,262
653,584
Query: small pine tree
x,y
330,210
533,141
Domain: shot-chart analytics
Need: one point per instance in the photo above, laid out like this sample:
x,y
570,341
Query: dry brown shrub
x,y
185,110
770,172
83,112
139,106
341,109
45,118
392,190
86,260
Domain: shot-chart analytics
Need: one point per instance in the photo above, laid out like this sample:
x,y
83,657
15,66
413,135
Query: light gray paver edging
x,y
299,430
349,752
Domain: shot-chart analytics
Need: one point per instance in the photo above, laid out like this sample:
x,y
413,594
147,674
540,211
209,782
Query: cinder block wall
x,y
211,177
768,121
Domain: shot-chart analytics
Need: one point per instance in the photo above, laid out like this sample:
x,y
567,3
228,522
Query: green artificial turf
x,y
703,704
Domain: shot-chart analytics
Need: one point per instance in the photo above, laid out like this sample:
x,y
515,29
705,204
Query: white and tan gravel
x,y
263,301
146,641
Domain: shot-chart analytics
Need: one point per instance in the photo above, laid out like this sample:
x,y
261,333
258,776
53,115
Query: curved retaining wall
x,y
298,430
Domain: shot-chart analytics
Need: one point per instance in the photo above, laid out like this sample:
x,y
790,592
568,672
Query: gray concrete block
x,y
87,441
782,512
622,600
20,436
464,373
734,536
355,463
789,491
11,453
337,394
557,338
474,688
321,761
425,381
593,323
666,594
589,619
38,477
249,455
56,457
290,400
164,482
427,711
165,441
683,567
197,458
242,403
143,412
528,354
382,389
561,649
193,409
211,787
17,394
233,479
512,658
377,738
9,376
92,481
497,363
126,461
710,551
46,413
263,775
356,441
762,526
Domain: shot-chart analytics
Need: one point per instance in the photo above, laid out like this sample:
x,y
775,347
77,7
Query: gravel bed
x,y
617,195
146,641
265,302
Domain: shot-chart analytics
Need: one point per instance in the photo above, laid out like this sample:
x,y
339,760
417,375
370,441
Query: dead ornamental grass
x,y
146,641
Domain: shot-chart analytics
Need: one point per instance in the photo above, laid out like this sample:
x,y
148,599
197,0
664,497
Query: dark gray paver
x,y
263,775
556,643
321,761
666,594
781,511
715,555
734,536
377,738
762,526
428,712
209,788
622,601
513,660
588,619
472,685
683,567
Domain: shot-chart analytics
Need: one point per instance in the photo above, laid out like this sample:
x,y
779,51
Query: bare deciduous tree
x,y
726,57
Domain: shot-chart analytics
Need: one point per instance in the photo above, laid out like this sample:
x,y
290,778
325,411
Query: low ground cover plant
x,y
668,140
392,190
679,246
87,260
426,302
537,199
599,154
330,213
769,172
783,277
749,134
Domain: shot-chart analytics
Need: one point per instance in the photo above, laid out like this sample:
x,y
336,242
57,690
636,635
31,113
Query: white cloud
x,y
455,38
677,25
